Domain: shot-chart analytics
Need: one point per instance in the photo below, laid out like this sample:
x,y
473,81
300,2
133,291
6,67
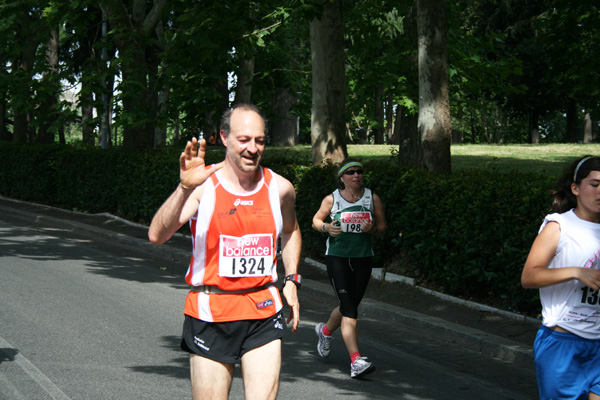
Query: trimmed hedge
x,y
466,234
130,184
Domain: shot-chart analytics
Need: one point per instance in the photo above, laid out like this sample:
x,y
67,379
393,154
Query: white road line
x,y
45,383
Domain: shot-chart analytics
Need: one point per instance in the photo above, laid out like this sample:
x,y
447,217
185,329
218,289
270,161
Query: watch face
x,y
294,278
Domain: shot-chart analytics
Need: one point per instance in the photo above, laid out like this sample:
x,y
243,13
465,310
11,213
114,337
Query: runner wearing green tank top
x,y
356,214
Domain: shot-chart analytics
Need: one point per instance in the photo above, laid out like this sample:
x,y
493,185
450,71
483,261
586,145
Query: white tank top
x,y
571,305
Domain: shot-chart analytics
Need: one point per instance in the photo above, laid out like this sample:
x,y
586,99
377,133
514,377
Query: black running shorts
x,y
227,342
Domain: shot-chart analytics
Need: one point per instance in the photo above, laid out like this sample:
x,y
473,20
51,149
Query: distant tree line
x,y
148,73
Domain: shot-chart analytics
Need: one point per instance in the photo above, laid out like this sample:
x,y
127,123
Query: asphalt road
x,y
82,318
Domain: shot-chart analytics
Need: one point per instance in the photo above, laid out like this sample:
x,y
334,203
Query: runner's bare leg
x,y
349,329
210,379
261,378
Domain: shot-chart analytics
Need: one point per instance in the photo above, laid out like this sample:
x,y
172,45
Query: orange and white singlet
x,y
234,239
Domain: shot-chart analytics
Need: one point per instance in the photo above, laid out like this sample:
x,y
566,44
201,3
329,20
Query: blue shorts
x,y
567,365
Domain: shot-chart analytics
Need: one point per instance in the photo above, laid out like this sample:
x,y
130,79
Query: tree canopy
x,y
164,70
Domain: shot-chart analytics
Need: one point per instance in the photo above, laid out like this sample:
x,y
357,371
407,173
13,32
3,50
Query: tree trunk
x,y
328,85
498,125
160,132
434,107
137,100
534,130
110,90
587,129
409,149
20,127
379,116
29,33
572,121
23,92
61,135
131,32
104,127
49,100
389,120
213,120
284,125
397,125
245,75
176,130
457,136
5,135
162,89
86,100
349,133
90,56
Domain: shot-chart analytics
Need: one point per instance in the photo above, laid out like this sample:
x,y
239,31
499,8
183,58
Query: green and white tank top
x,y
352,242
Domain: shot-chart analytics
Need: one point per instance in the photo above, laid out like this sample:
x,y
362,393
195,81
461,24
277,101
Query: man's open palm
x,y
192,168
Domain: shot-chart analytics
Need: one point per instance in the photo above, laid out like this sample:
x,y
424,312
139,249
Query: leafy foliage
x,y
508,60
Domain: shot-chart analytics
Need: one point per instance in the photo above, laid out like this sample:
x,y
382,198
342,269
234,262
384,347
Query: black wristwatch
x,y
296,278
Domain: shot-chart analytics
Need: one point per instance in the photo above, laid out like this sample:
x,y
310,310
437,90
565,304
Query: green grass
x,y
550,158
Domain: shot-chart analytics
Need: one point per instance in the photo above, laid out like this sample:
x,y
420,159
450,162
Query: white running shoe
x,y
361,367
324,345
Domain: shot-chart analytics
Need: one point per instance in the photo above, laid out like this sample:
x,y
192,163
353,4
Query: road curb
x,y
390,278
163,251
476,340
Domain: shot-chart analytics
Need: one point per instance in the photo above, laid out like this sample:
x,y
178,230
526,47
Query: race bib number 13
x,y
587,297
246,256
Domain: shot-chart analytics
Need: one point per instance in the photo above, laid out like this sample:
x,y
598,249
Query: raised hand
x,y
192,169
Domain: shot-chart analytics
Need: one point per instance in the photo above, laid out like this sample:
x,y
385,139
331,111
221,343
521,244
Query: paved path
x,y
499,335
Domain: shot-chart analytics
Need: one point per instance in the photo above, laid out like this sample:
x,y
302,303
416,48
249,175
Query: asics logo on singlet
x,y
239,202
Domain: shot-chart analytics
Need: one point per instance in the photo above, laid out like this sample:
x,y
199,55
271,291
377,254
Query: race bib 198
x,y
351,220
246,256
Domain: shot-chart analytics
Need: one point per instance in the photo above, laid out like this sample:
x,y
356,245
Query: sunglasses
x,y
354,171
